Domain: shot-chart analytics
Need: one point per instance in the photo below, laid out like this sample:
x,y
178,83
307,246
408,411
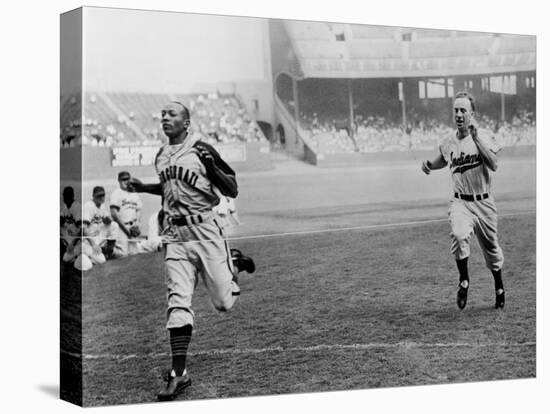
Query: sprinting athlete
x,y
194,241
471,158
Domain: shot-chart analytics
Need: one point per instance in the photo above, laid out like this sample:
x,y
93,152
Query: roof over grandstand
x,y
336,50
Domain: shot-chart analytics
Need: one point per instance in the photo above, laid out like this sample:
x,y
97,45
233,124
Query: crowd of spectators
x,y
218,118
376,133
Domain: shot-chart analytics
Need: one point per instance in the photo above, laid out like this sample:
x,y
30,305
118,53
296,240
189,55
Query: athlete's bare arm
x,y
488,156
435,164
139,187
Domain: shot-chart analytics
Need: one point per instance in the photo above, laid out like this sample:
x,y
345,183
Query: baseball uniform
x,y
69,216
94,216
472,208
226,211
153,242
129,207
83,252
195,241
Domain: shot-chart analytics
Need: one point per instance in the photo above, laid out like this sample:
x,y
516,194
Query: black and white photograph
x,y
254,206
276,207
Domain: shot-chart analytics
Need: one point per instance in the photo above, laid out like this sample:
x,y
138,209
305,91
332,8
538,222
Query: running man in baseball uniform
x,y
126,212
189,170
472,159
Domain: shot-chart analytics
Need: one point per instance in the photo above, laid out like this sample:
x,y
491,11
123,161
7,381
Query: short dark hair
x,y
185,109
469,96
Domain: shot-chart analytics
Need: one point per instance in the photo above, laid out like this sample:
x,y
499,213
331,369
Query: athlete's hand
x,y
135,185
205,156
473,130
426,167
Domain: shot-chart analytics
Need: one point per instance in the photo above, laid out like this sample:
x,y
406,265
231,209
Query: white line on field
x,y
368,227
340,229
314,348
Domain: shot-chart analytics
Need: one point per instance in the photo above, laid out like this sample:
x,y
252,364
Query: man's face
x,y
99,199
463,114
173,120
124,183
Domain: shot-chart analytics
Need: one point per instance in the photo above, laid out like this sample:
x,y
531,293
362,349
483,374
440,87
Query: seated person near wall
x,y
82,251
70,211
126,212
100,226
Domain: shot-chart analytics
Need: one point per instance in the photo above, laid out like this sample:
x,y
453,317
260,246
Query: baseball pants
x,y
479,217
192,253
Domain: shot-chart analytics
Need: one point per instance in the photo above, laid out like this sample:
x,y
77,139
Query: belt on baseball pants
x,y
472,197
188,220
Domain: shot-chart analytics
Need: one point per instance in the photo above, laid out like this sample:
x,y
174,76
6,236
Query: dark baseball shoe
x,y
174,386
242,262
499,302
462,296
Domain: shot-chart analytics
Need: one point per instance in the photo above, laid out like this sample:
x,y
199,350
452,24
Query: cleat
x,y
243,263
175,385
499,302
462,296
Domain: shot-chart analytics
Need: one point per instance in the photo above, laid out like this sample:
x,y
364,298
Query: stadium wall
x,y
96,163
359,159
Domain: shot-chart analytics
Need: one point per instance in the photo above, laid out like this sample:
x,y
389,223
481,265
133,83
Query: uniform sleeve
x,y
116,200
218,160
222,176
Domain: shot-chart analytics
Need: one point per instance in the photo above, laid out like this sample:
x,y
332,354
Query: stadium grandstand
x,y
133,119
346,88
329,88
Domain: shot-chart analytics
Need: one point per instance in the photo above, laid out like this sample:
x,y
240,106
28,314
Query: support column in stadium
x,y
351,115
296,105
502,106
403,104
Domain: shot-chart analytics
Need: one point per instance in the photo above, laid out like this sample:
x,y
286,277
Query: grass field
x,y
354,289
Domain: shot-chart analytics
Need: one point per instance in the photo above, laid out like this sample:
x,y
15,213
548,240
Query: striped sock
x,y
179,342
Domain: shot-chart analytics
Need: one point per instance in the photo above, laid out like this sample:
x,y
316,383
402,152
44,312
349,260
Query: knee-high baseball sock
x,y
462,265
497,275
179,342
